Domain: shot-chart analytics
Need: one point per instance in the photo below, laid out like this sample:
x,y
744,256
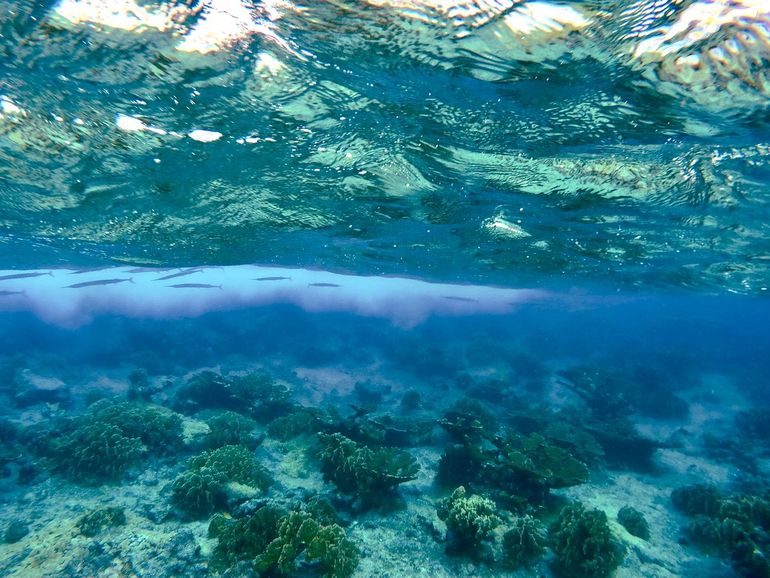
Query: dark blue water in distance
x,y
388,288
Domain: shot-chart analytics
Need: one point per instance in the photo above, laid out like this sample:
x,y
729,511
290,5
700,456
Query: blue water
x,y
459,228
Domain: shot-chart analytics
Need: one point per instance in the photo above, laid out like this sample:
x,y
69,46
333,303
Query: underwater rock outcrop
x,y
634,522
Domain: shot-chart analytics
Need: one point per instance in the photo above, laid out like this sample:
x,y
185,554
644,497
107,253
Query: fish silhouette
x,y
98,282
272,279
195,286
23,275
180,274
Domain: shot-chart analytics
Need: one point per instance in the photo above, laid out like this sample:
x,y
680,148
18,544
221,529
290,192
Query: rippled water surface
x,y
614,142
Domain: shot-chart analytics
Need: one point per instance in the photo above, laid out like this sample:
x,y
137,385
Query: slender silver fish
x,y
323,285
463,299
272,279
149,269
9,293
194,286
98,282
23,276
180,274
91,270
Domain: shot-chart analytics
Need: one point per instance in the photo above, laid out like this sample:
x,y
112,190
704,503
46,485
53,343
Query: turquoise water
x,y
356,138
384,288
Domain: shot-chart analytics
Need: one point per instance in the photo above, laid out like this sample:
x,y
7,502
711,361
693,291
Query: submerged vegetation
x,y
275,540
455,472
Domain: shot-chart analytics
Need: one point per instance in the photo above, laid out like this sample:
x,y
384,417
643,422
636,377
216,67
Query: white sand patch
x,y
41,382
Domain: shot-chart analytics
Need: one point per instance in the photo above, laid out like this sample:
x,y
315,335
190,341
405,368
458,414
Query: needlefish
x,y
24,275
97,283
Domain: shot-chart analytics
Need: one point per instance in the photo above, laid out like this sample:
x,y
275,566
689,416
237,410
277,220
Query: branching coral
x,y
93,453
583,544
256,394
362,471
276,541
731,526
469,520
230,428
300,421
109,438
201,490
525,542
159,429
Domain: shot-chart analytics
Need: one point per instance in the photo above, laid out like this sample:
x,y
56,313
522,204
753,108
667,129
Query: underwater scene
x,y
384,288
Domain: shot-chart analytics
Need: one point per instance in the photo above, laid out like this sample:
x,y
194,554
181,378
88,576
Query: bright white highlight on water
x,y
204,135
133,124
70,297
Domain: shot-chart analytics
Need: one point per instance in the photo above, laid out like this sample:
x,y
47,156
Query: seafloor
x,y
279,443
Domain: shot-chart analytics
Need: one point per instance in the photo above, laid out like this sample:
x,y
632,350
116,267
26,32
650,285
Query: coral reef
x,y
520,468
107,440
525,542
202,489
734,527
97,521
159,429
469,520
366,473
634,522
301,420
276,541
93,453
229,428
583,544
255,394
